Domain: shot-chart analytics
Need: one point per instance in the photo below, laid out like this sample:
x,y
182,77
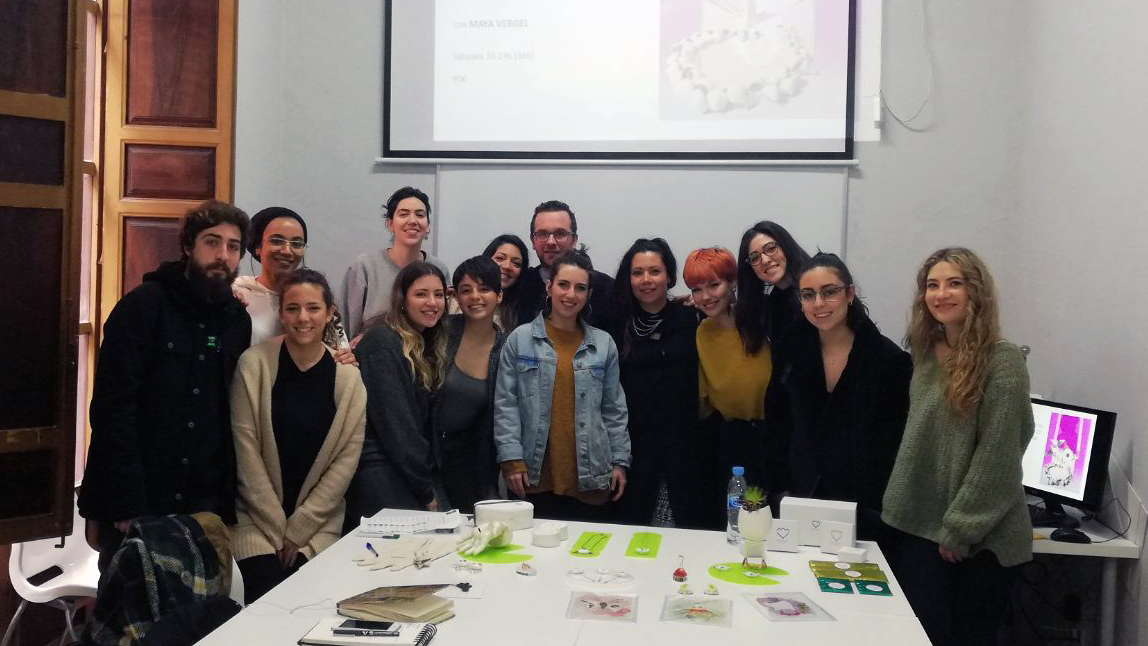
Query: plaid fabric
x,y
164,563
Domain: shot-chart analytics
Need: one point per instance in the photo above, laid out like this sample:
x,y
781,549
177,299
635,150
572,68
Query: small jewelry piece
x,y
468,565
711,589
721,568
680,573
526,569
752,575
685,589
589,545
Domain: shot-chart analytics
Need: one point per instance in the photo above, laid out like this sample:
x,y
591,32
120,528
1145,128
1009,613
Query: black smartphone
x,y
364,628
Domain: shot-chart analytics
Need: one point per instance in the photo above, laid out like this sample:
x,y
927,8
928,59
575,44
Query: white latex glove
x,y
496,534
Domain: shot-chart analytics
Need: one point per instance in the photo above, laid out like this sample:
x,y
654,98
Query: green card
x,y
734,572
879,588
590,544
644,545
836,586
500,555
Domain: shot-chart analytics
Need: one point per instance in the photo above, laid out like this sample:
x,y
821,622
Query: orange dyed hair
x,y
704,265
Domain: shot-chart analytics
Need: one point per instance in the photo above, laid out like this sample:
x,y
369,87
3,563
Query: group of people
x,y
593,397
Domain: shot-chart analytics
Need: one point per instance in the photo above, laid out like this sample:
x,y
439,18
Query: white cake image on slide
x,y
744,53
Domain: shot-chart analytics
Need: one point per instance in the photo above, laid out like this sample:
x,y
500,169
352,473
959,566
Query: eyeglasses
x,y
830,294
277,242
561,235
770,249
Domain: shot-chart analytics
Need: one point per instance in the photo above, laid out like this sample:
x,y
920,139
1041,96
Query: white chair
x,y
79,575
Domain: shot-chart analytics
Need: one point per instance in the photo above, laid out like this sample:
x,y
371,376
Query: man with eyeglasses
x,y
160,413
554,229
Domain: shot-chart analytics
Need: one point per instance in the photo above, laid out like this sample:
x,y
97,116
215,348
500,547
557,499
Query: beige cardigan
x,y
318,516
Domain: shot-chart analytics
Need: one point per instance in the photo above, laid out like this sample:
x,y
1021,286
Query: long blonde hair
x,y
425,351
968,362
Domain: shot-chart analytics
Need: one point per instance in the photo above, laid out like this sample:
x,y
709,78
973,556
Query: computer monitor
x,y
1066,462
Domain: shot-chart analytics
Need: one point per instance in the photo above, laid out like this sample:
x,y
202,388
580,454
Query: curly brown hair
x,y
968,362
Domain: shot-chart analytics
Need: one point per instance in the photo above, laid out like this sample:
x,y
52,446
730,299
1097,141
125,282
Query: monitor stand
x,y
1052,514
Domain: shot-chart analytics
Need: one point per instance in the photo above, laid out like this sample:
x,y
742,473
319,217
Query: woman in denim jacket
x,y
560,413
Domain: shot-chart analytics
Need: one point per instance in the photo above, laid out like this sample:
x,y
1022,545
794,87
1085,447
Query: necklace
x,y
644,324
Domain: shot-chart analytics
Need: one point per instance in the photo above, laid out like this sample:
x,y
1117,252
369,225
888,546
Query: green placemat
x,y
500,555
595,542
736,574
644,545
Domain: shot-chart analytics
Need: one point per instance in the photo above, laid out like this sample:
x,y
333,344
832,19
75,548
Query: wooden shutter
x,y
41,150
168,129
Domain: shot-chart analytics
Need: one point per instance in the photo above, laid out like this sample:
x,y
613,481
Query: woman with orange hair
x,y
956,485
731,380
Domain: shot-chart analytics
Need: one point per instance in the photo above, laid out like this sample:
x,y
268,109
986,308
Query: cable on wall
x,y
928,50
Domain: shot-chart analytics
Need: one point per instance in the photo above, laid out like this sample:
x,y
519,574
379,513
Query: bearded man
x,y
161,432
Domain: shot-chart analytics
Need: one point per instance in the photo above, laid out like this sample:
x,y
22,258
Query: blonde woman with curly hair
x,y
402,360
956,487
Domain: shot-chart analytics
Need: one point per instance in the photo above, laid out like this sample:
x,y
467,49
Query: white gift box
x,y
835,535
810,513
517,514
783,537
853,554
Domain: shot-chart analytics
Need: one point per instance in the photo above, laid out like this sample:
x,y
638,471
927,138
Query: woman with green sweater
x,y
956,486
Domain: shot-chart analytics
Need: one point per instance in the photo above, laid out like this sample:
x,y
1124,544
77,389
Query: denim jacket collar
x,y
538,331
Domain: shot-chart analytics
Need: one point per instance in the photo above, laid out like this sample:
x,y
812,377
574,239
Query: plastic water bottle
x,y
734,494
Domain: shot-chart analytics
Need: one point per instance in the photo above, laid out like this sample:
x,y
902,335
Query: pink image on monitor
x,y
1065,449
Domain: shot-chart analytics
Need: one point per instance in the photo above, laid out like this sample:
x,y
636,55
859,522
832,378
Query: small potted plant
x,y
754,521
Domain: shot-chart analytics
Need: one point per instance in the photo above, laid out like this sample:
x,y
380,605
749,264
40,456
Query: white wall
x,y
1028,156
1085,227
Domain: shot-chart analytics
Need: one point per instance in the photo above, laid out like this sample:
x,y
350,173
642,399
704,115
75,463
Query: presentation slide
x,y
658,76
1057,457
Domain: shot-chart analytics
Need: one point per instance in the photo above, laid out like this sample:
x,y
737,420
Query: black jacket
x,y
842,445
659,374
161,427
599,310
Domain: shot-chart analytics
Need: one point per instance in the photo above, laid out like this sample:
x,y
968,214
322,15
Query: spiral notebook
x,y
409,635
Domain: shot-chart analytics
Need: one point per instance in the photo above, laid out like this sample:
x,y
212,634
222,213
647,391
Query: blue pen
x,y
372,550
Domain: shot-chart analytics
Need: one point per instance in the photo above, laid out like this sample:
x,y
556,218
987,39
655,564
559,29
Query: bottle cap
x,y
739,471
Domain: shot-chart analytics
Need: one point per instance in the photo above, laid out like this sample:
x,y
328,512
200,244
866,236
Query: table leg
x,y
1107,624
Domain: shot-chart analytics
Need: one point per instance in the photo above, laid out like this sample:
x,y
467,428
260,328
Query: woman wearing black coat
x,y
659,374
840,394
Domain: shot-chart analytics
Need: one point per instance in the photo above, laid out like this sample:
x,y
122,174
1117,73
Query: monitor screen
x,y
1067,458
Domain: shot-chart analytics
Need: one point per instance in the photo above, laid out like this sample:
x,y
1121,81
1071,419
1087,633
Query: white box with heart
x,y
783,536
810,513
835,535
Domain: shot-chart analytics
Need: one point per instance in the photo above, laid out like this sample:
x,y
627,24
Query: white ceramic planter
x,y
754,527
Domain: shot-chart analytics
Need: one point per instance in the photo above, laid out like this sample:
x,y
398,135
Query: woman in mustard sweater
x,y
731,379
956,485
560,413
297,418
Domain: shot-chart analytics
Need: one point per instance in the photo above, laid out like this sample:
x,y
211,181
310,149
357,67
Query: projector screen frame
x,y
846,156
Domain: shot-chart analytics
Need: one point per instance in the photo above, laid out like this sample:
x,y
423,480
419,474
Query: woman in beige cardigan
x,y
297,418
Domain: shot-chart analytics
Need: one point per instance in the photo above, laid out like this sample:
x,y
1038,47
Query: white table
x,y
520,610
1110,550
